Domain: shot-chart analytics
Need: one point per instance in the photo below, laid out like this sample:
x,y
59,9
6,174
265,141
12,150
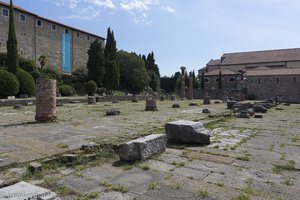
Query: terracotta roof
x,y
280,55
214,62
49,20
217,71
273,72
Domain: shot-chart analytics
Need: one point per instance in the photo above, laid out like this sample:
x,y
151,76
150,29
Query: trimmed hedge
x,y
27,85
91,87
67,90
9,84
24,63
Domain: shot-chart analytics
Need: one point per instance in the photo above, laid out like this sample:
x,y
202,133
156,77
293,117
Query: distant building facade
x,y
64,46
264,74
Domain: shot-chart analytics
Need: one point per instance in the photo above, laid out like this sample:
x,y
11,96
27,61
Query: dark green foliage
x,y
36,74
42,59
96,63
153,71
3,59
79,75
195,81
27,64
9,84
79,87
220,81
251,97
11,44
48,72
66,78
27,85
168,84
67,90
91,87
202,79
133,75
101,90
112,71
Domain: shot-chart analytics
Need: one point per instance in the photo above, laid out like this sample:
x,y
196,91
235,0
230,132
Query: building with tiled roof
x,y
264,74
64,46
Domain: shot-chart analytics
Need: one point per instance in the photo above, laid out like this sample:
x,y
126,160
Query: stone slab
x,y
187,132
23,190
143,148
4,162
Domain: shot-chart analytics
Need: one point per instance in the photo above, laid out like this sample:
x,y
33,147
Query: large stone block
x,y
187,132
142,148
23,190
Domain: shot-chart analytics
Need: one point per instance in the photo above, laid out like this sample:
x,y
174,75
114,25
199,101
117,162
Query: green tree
x,y
133,75
153,71
112,71
12,44
96,63
202,80
220,80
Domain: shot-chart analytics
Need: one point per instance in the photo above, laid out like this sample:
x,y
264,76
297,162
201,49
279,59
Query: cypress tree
x,y
220,80
202,80
112,75
11,44
95,64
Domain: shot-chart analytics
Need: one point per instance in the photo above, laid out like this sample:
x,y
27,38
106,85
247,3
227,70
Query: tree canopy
x,y
133,75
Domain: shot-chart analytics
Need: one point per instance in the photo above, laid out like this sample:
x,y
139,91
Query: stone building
x,y
263,74
64,46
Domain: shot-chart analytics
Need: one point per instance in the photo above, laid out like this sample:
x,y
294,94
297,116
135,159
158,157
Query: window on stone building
x,y
206,80
66,31
38,22
88,37
231,79
259,81
277,80
5,12
53,27
22,18
77,33
294,79
217,80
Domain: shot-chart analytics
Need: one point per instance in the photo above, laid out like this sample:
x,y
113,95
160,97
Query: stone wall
x,y
269,86
34,41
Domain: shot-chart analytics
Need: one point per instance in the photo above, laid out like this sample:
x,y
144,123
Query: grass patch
x,y
144,167
289,166
153,186
63,190
111,187
242,196
178,164
203,193
62,146
243,158
91,195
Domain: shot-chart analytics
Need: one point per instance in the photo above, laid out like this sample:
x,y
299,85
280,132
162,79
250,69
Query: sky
x,y
181,32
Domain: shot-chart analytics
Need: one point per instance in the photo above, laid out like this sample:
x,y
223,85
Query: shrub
x,y
51,73
27,85
3,59
9,84
101,90
91,87
66,78
79,75
36,74
67,90
27,64
79,87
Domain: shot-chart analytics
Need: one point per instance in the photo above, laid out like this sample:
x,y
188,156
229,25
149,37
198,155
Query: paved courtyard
x,y
247,159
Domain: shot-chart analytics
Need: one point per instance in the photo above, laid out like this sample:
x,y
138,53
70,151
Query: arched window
x,y
231,79
294,79
217,80
206,80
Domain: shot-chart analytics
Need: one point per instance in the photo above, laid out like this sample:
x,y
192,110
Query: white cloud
x,y
169,9
138,5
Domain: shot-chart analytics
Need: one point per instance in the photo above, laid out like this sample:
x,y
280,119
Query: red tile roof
x,y
280,55
217,71
273,72
49,20
214,62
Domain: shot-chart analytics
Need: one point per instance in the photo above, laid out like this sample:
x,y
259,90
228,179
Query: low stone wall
x,y
66,100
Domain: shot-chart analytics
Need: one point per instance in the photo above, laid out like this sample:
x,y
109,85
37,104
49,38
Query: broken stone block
x,y
142,148
115,101
193,104
259,109
112,112
23,190
91,157
243,114
151,105
175,105
28,103
258,116
70,157
206,100
173,98
91,100
135,98
279,109
35,167
205,110
187,132
230,104
19,106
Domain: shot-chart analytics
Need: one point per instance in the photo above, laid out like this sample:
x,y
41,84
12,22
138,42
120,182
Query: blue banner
x,y
66,53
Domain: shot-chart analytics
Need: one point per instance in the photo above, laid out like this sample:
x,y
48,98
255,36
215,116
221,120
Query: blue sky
x,y
181,32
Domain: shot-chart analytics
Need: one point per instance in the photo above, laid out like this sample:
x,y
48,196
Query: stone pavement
x,y
248,159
